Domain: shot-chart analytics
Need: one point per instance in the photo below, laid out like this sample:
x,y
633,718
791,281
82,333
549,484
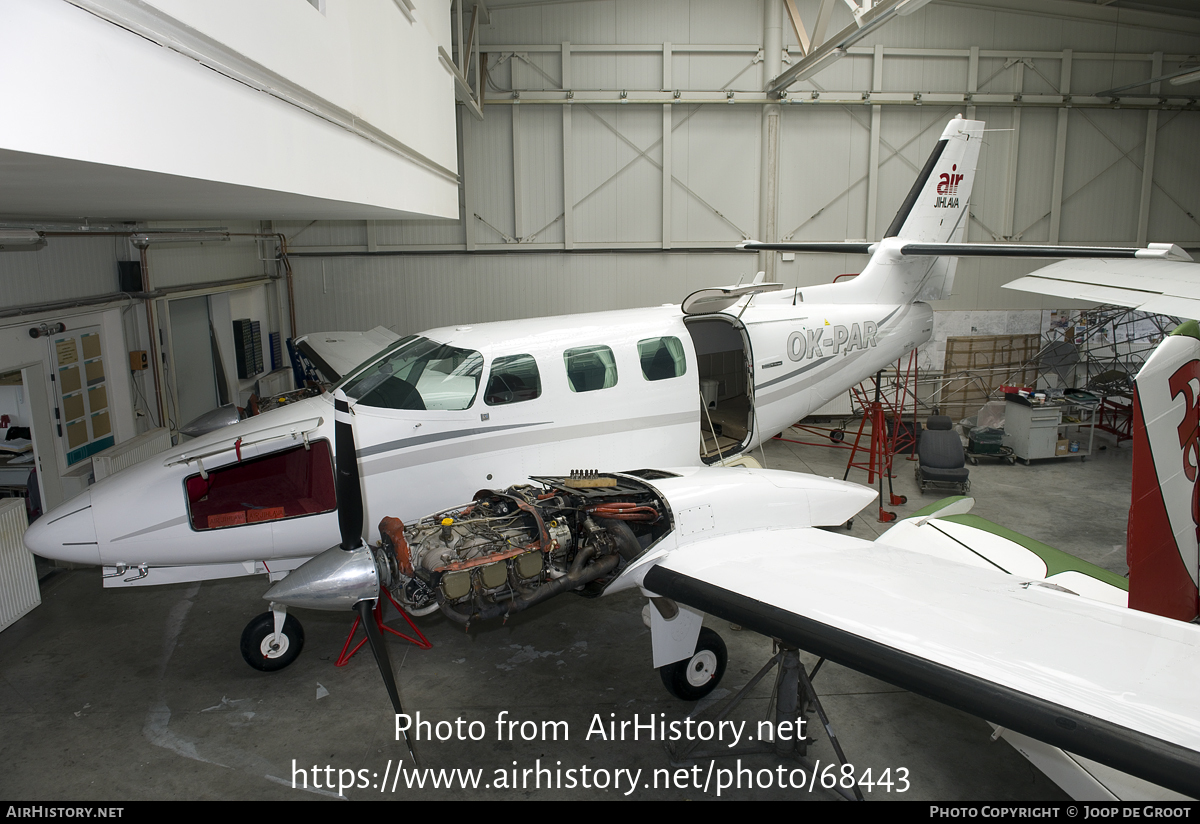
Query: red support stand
x,y
883,445
377,612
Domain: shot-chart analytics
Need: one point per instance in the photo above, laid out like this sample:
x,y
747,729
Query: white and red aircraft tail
x,y
1164,517
916,259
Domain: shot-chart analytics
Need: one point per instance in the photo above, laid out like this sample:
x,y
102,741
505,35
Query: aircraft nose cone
x,y
66,533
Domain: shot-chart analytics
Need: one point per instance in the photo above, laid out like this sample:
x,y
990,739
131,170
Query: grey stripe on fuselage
x,y
403,443
793,373
465,446
182,519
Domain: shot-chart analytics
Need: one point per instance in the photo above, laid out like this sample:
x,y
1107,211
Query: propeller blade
x,y
375,639
349,492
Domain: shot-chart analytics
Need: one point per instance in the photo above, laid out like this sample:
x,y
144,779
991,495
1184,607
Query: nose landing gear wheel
x,y
693,678
262,651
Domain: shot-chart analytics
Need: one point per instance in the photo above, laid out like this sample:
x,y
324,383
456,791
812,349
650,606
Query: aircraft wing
x,y
1103,682
1167,287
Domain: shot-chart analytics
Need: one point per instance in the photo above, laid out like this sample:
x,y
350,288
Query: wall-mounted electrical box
x,y
138,360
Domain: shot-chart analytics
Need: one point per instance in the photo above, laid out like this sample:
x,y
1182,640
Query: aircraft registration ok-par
x,y
457,409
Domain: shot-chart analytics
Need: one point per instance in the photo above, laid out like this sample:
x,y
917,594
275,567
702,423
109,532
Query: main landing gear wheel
x,y
257,643
693,678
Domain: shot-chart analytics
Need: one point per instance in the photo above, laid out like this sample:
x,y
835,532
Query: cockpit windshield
x,y
418,373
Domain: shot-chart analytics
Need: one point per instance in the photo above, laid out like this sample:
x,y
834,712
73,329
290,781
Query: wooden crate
x,y
978,365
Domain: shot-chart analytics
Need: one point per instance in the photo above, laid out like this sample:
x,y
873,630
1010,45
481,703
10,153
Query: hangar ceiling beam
x,y
867,19
820,28
460,70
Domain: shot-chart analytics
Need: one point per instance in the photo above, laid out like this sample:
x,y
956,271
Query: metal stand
x,y
377,612
794,698
881,450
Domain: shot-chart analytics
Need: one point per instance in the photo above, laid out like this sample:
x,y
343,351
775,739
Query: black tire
x,y
693,678
254,640
837,436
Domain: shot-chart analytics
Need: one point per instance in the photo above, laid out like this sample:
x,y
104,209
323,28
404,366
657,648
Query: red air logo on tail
x,y
947,189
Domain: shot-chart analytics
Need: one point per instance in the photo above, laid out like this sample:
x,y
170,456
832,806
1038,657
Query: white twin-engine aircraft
x,y
440,415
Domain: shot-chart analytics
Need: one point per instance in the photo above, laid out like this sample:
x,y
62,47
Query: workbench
x,y
1034,430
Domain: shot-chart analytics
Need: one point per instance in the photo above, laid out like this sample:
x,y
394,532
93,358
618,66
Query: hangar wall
x,y
1050,172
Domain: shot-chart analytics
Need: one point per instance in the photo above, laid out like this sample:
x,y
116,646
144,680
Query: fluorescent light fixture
x,y
144,239
1190,77
21,239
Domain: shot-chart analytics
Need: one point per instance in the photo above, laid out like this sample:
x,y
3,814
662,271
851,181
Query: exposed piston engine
x,y
506,551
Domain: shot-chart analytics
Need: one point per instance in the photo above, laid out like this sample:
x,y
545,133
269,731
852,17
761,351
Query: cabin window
x,y
661,358
514,378
590,368
285,484
421,374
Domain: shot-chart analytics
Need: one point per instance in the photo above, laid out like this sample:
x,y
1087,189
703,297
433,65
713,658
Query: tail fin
x,y
1164,518
935,211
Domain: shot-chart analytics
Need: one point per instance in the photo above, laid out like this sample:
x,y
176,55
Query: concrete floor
x,y
119,695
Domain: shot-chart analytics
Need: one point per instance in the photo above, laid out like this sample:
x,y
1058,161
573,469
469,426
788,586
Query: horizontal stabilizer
x,y
849,247
1013,650
1155,251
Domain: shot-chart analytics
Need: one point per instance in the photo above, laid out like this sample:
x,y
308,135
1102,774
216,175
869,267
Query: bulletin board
x,y
81,386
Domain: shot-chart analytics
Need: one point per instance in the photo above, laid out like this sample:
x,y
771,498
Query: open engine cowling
x,y
507,551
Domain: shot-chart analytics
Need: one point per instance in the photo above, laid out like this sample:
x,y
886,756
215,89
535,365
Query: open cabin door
x,y
723,357
726,390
